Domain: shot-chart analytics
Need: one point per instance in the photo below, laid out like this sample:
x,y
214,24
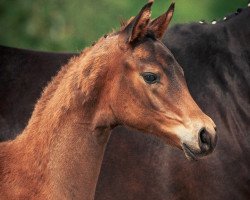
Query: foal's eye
x,y
149,77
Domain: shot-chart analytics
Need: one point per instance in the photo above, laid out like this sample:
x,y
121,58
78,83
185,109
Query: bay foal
x,y
127,78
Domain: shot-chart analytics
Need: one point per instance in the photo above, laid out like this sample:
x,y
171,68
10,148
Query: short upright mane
x,y
85,62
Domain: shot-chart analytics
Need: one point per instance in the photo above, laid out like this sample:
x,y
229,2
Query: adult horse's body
x,y
216,66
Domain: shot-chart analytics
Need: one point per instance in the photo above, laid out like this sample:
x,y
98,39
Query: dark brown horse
x,y
127,78
216,60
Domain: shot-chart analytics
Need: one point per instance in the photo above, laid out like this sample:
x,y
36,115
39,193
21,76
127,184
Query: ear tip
x,y
171,7
150,3
147,7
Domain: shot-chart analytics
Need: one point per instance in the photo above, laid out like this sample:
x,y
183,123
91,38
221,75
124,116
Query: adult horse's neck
x,y
60,151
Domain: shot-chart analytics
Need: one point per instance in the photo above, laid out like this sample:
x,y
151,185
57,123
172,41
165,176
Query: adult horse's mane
x,y
216,62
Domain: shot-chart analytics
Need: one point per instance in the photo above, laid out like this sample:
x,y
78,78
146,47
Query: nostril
x,y
205,141
204,136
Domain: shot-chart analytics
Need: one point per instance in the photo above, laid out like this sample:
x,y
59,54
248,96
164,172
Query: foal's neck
x,y
76,161
65,139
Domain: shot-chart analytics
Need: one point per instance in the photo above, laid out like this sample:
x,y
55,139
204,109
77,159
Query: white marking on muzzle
x,y
189,137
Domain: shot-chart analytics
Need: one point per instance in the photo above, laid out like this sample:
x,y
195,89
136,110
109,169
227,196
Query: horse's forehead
x,y
142,52
152,52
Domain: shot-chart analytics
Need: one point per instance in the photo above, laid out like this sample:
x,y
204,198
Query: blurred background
x,y
71,25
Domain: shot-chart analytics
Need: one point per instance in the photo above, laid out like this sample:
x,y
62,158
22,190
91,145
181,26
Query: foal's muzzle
x,y
206,144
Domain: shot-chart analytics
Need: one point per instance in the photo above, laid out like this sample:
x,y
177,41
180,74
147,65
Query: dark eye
x,y
149,77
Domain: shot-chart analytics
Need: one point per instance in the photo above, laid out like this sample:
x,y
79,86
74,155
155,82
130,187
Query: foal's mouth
x,y
191,155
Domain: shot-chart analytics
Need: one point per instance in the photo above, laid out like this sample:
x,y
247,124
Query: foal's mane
x,y
90,68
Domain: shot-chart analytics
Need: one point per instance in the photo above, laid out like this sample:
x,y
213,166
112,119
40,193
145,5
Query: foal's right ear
x,y
160,24
137,27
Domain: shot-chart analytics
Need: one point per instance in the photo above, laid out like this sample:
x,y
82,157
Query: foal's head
x,y
145,86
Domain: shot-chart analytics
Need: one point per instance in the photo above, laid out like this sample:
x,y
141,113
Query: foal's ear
x,y
160,24
137,27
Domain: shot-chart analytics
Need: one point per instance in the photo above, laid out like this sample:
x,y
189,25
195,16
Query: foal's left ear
x,y
160,24
137,27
